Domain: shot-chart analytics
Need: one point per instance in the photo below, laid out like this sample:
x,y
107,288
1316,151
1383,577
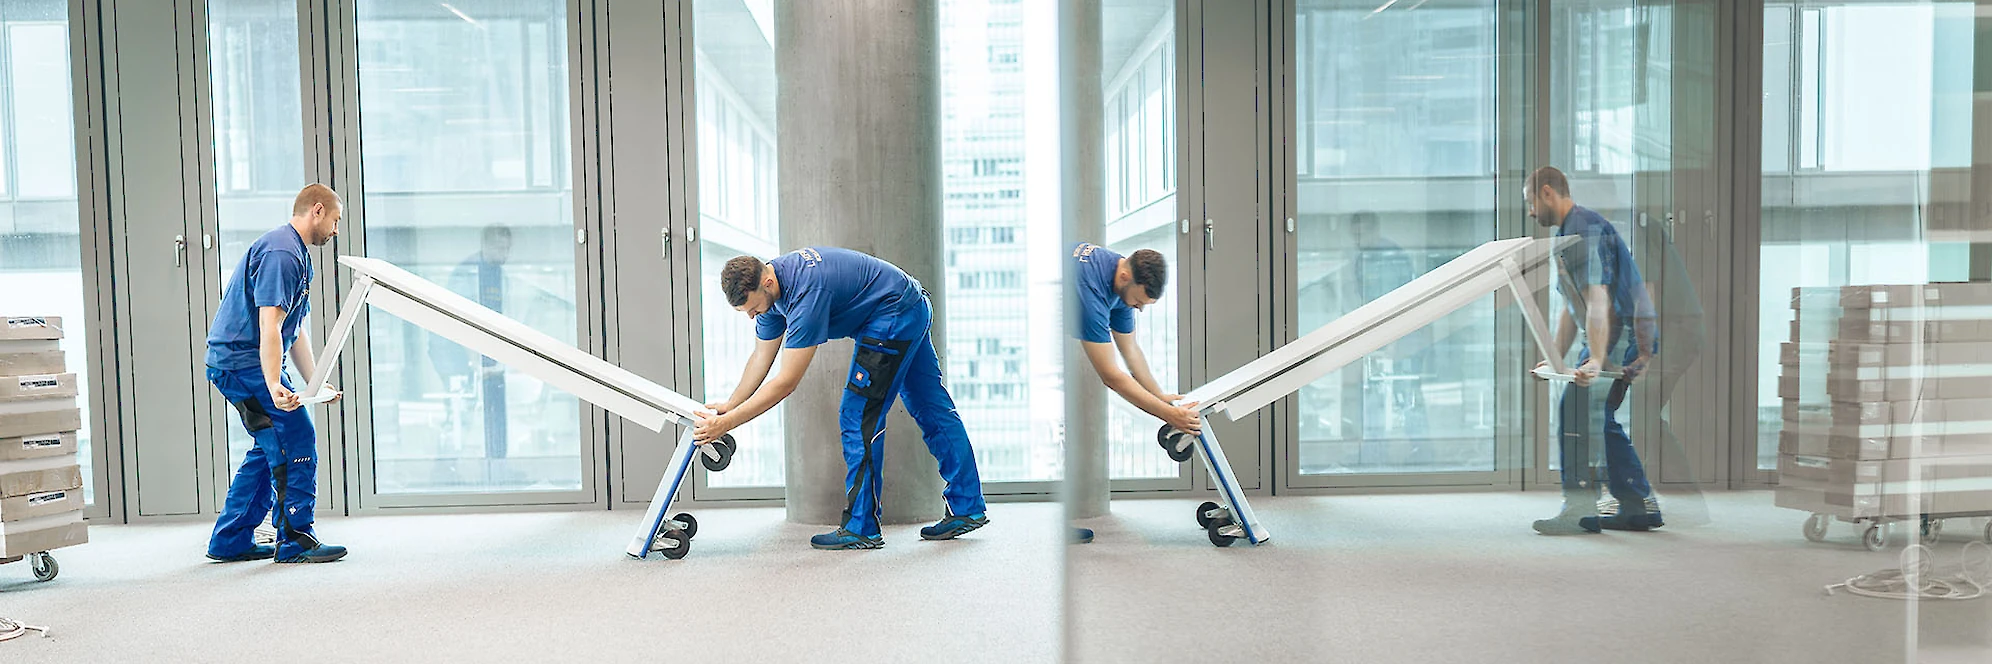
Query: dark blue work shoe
x,y
841,540
1632,522
258,552
953,526
323,553
1082,535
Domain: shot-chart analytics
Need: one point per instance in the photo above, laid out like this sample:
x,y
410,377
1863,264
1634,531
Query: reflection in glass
x,y
466,184
735,63
1395,124
41,268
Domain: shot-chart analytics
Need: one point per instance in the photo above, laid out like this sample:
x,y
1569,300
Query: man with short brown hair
x,y
815,294
262,311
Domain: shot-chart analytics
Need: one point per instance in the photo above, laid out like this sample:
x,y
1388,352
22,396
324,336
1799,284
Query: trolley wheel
x,y
1220,539
1932,530
1204,519
1171,441
724,447
687,523
1873,538
673,543
44,566
1815,527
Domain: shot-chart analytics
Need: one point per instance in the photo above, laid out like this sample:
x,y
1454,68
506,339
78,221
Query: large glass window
x,y
735,86
1868,110
466,165
41,259
1139,74
999,152
258,134
1395,124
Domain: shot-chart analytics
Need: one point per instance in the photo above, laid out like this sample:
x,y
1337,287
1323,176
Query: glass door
x,y
1395,171
41,247
254,86
467,182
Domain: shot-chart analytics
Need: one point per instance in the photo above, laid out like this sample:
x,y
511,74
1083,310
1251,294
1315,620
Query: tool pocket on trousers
x,y
874,365
254,418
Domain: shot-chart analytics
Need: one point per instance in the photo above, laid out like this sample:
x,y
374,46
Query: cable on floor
x,y
1917,577
10,630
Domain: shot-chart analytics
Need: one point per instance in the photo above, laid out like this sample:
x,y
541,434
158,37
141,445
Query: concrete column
x,y
1082,156
858,118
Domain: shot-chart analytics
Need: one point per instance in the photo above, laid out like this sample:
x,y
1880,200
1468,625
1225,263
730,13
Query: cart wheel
x,y
1204,518
44,566
1932,531
673,543
1815,527
724,447
1220,539
1874,539
1171,441
688,524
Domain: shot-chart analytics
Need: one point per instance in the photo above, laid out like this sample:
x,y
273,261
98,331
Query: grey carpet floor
x,y
1462,578
1398,578
549,588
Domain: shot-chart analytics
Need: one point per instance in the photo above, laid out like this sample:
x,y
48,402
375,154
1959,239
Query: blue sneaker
x,y
953,526
322,553
258,552
841,540
1082,535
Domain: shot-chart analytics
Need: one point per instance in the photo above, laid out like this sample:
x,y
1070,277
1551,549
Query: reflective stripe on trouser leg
x,y
927,399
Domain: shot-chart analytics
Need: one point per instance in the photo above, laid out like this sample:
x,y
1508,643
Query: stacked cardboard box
x,y
1887,397
41,485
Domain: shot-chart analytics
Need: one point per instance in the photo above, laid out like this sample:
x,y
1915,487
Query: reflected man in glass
x,y
1608,303
1393,390
1111,287
481,277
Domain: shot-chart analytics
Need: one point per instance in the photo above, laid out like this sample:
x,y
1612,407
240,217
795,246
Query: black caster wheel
x,y
1204,514
673,543
1874,538
1172,442
1932,531
687,523
44,566
1221,540
724,449
1815,527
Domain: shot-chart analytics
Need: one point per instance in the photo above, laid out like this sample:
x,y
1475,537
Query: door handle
x,y
664,247
179,250
1210,235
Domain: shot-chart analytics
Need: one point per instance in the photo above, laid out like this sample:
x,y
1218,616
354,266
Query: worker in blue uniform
x,y
1111,287
812,295
261,309
1602,287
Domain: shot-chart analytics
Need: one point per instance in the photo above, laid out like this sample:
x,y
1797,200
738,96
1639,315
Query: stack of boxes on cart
x,y
1887,395
41,494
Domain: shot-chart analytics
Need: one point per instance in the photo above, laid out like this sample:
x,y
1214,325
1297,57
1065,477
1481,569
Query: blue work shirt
x,y
830,293
1101,310
1601,258
275,272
